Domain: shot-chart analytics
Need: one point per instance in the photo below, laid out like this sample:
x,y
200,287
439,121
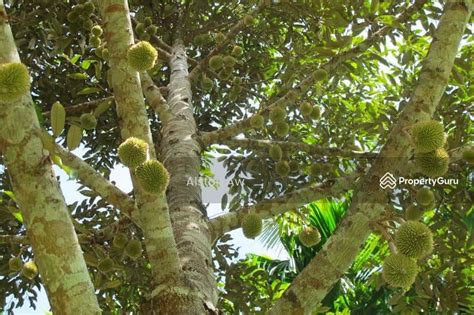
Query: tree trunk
x,y
49,226
181,156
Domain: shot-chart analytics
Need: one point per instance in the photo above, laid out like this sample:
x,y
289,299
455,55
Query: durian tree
x,y
304,101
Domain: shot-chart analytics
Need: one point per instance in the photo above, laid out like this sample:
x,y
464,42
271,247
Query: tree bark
x,y
152,215
314,282
49,226
181,156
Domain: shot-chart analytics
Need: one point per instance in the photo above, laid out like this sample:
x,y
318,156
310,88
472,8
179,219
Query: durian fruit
x,y
309,237
257,121
433,164
87,24
294,166
133,152
225,73
306,109
133,249
277,114
88,121
275,152
153,176
140,29
151,30
229,61
428,136
414,239
96,30
206,83
468,156
282,168
29,270
237,51
219,37
413,213
105,265
120,240
142,56
315,113
282,129
95,41
237,81
148,21
320,75
15,264
424,196
399,271
216,62
251,225
248,20
14,81
429,206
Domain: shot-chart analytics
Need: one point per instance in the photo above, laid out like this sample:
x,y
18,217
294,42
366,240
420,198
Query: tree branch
x,y
85,107
236,29
310,287
154,97
219,135
289,201
296,146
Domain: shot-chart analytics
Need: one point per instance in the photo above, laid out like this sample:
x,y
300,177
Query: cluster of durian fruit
x,y
151,174
146,29
80,16
413,240
27,270
131,248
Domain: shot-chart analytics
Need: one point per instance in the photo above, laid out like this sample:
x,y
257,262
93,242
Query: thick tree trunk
x,y
49,226
181,156
152,215
314,282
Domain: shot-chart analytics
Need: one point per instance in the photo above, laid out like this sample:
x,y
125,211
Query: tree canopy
x,y
307,105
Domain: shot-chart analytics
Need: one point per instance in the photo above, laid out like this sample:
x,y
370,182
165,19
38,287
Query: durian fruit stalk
x,y
251,225
142,56
133,152
414,239
399,271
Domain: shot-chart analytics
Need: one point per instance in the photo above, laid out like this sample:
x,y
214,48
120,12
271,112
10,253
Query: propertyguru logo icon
x,y
390,181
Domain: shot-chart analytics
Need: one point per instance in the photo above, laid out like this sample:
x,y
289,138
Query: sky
x,y
121,176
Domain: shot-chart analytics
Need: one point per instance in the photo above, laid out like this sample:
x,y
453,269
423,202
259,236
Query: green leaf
x,y
77,76
88,90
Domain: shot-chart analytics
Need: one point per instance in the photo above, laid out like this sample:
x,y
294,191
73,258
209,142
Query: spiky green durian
x,y
133,152
424,196
15,264
225,73
140,28
237,81
88,121
315,113
133,249
151,30
248,20
413,213
275,152
294,166
468,155
153,176
414,239
320,75
433,164
309,237
105,265
429,206
219,37
14,81
282,168
399,271
282,129
206,83
148,21
29,270
306,109
229,61
237,51
257,121
120,240
142,56
96,30
88,8
277,114
216,62
428,136
95,41
251,225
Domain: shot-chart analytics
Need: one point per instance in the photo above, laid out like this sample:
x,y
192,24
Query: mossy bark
x,y
314,282
49,226
152,215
